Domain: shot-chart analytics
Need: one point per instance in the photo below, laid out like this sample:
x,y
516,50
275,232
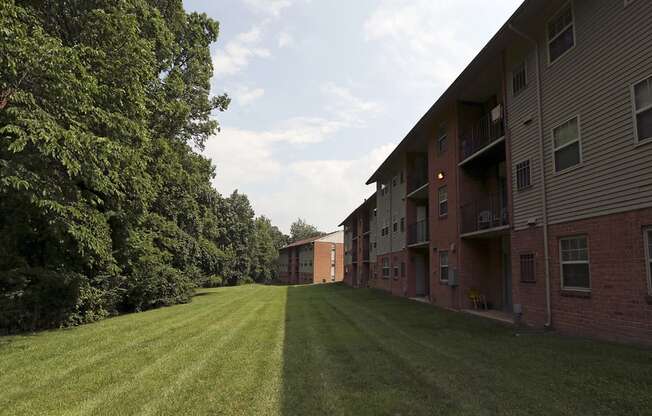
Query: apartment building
x,y
528,186
314,260
360,240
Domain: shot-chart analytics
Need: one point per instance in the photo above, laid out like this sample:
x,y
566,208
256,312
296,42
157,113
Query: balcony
x,y
417,180
418,233
486,133
365,253
485,216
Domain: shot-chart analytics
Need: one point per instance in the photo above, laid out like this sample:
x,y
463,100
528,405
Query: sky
x,y
323,90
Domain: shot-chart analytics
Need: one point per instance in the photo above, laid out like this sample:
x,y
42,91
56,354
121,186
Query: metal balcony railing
x,y
484,214
418,232
482,133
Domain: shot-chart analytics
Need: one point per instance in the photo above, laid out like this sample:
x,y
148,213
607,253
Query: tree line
x,y
106,204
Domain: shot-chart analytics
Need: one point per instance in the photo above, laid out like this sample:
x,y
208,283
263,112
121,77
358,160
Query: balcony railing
x,y
418,232
417,179
482,133
484,214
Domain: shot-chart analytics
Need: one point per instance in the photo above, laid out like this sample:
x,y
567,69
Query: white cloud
x,y
244,95
322,191
284,189
285,39
433,40
348,107
268,7
238,52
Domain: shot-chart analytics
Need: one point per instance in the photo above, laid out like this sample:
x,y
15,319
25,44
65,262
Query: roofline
x,y
309,240
365,202
445,96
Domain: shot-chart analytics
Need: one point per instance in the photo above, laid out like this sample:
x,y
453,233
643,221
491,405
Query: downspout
x,y
544,198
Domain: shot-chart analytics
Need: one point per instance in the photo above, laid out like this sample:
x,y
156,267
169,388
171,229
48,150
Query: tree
x,y
268,240
105,206
300,230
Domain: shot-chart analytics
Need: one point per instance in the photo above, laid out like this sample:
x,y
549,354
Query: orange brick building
x,y
314,260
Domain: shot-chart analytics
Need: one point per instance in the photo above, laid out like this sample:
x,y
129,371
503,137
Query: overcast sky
x,y
324,89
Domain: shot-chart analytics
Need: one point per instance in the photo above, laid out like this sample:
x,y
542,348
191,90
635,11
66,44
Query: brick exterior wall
x,y
617,307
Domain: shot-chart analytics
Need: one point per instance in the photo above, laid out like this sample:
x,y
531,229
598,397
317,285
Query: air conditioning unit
x,y
452,277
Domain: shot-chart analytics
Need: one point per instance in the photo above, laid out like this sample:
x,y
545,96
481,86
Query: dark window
x,y
519,78
566,144
394,181
395,227
402,224
402,177
402,269
523,175
443,201
443,266
527,268
574,254
643,109
395,271
561,36
442,144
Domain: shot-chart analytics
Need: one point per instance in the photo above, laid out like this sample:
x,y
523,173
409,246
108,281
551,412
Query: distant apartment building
x,y
360,240
313,260
526,189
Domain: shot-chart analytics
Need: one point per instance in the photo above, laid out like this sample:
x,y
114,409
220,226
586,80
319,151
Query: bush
x,y
35,298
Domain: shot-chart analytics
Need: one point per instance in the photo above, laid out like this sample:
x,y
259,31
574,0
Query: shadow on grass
x,y
363,352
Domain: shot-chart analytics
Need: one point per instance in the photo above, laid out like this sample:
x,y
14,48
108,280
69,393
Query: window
x,y
394,181
402,269
648,255
519,78
402,177
443,201
395,227
443,266
527,268
442,140
574,254
396,271
566,144
386,267
561,33
523,175
402,225
642,99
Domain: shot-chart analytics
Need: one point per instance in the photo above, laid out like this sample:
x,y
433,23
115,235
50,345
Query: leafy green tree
x,y
268,240
300,230
102,195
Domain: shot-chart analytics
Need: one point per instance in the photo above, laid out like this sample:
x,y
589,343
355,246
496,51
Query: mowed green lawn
x,y
315,350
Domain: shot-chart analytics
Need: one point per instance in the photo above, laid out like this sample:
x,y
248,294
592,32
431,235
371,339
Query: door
x,y
420,274
507,274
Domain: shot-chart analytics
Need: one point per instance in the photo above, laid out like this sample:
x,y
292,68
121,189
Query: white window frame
x,y
529,174
555,149
441,266
387,267
524,64
647,239
440,201
549,41
635,111
562,263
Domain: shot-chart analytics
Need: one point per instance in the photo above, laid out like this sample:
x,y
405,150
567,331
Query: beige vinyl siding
x,y
524,136
390,206
348,247
593,82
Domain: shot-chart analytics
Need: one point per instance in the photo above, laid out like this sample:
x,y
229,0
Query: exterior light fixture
x,y
440,175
